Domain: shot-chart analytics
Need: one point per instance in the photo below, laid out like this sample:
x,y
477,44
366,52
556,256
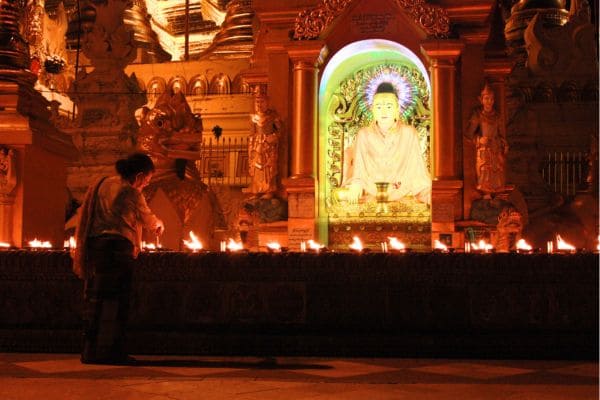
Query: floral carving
x,y
310,23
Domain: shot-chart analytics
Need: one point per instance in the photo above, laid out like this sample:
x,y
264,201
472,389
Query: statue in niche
x,y
8,177
385,155
485,128
263,148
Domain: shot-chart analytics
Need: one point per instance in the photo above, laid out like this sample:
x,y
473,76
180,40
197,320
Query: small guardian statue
x,y
486,130
263,148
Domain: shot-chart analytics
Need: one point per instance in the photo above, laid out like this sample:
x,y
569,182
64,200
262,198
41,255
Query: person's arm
x,y
146,216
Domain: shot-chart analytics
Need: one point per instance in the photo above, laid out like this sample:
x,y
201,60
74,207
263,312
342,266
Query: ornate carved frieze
x,y
311,22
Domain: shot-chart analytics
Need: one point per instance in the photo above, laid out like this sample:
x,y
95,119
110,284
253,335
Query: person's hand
x,y
159,228
354,192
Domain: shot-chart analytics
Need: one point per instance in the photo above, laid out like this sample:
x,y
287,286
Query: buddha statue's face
x,y
385,110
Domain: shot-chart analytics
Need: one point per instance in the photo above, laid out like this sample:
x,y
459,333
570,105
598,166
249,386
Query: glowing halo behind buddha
x,y
406,91
347,89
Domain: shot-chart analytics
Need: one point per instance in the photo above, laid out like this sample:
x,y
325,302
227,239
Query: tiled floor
x,y
62,376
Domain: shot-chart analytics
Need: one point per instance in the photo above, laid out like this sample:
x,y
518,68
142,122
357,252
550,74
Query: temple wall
x,y
442,305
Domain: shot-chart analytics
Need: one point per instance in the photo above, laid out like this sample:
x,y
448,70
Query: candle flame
x,y
482,245
232,245
194,243
314,245
523,245
274,246
70,243
148,246
4,245
35,243
356,244
396,244
439,246
562,245
598,245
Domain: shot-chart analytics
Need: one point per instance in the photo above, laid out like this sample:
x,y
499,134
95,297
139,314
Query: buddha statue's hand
x,y
354,193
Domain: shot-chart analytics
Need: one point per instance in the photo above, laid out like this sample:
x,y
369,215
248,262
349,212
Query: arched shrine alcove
x,y
346,90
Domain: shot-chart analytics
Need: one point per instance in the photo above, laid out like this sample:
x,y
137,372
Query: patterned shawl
x,y
86,215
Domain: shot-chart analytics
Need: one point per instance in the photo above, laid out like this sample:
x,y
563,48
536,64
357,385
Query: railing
x,y
565,172
224,161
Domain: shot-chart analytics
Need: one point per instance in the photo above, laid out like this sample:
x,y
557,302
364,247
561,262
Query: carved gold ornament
x,y
311,22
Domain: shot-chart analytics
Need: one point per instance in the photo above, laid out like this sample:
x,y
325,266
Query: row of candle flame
x,y
393,244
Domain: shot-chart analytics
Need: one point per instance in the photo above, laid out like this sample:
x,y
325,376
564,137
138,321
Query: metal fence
x,y
224,161
565,172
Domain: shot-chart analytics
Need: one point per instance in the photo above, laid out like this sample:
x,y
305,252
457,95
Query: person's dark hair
x,y
135,163
386,87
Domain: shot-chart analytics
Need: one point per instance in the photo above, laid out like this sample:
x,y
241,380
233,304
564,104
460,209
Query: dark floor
x,y
62,376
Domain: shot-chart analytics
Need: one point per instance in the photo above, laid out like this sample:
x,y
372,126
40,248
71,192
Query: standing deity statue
x,y
263,148
486,130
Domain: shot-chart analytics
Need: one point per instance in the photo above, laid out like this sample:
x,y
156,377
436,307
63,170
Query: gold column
x,y
447,184
306,58
442,56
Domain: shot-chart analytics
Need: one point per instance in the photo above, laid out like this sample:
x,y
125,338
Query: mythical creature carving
x,y
311,22
170,128
510,227
569,49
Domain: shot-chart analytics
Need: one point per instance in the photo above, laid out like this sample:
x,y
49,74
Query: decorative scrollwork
x,y
310,23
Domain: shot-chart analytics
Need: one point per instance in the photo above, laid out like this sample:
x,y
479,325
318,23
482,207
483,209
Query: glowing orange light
x,y
70,243
4,245
396,244
523,245
314,245
562,245
437,245
274,247
194,243
148,246
482,245
598,245
232,245
356,244
35,243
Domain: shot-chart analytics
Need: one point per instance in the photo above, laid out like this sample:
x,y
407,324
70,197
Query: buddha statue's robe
x,y
394,157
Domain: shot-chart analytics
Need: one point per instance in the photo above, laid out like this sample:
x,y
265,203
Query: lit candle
x,y
356,244
395,244
523,246
232,245
439,246
35,243
194,243
564,246
314,246
274,247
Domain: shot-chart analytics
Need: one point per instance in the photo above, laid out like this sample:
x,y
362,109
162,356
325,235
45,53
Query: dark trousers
x,y
106,298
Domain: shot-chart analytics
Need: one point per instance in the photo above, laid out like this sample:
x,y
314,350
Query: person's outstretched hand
x,y
159,228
